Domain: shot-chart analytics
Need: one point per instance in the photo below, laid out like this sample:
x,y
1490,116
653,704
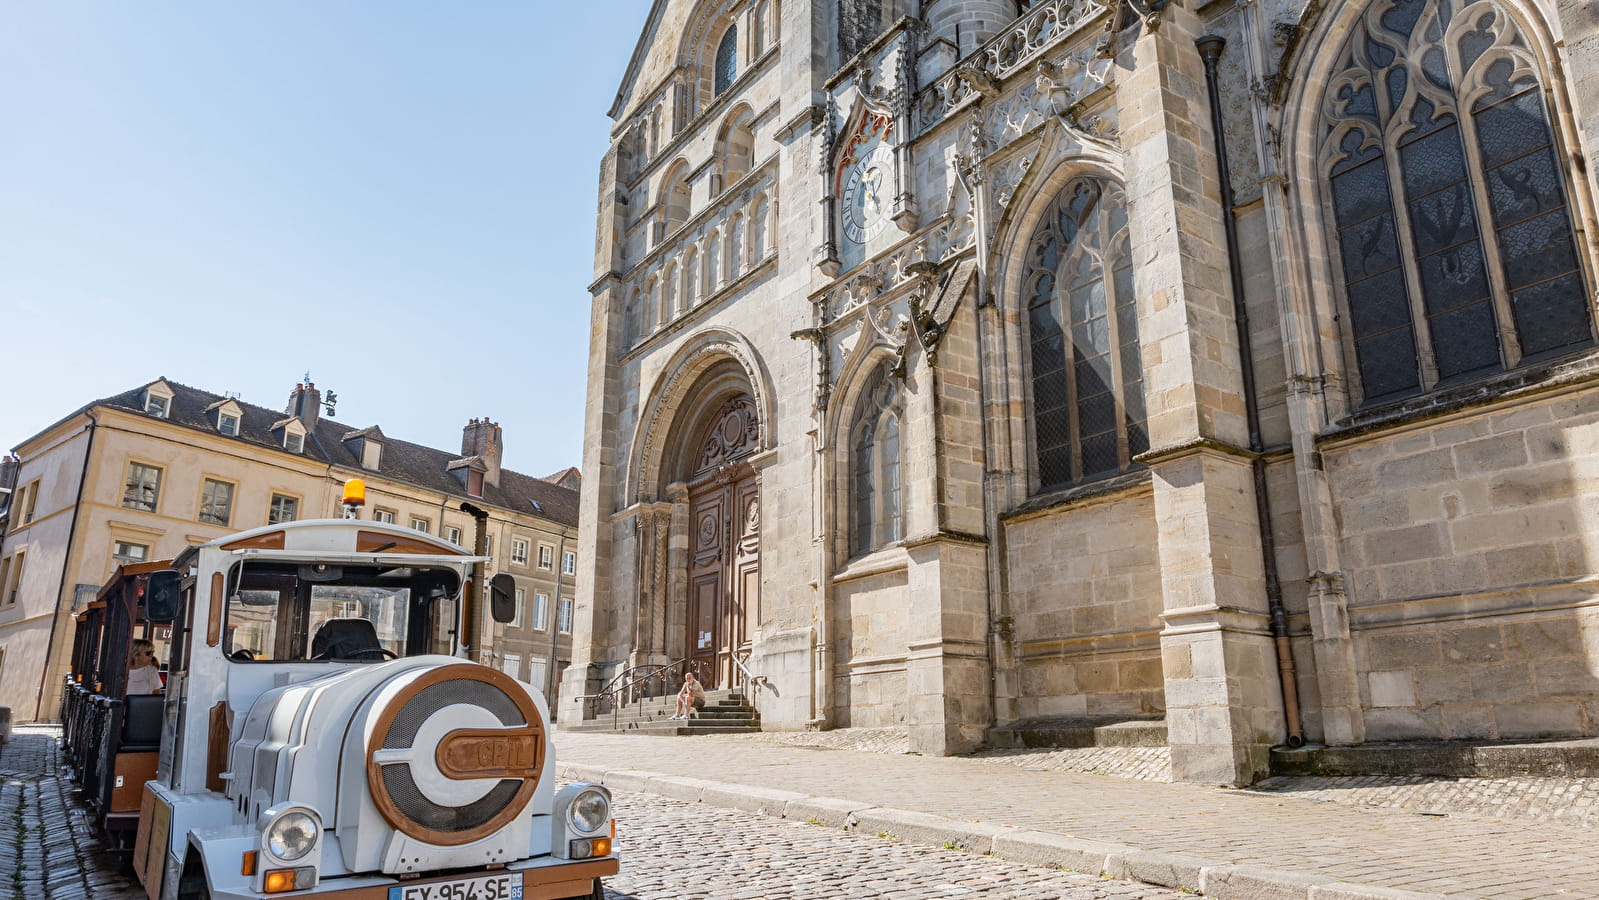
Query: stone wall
x,y
1470,542
869,621
1086,600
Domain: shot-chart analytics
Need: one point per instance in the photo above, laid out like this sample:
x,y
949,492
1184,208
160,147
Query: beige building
x,y
146,473
917,376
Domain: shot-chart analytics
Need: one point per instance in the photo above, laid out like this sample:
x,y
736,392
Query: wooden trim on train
x,y
213,628
271,540
384,542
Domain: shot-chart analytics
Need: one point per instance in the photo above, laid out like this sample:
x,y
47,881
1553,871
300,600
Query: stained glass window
x,y
1087,376
874,463
1453,227
726,60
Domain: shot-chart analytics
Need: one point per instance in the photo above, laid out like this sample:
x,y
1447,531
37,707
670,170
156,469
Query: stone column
x,y
946,666
1223,701
1579,28
593,613
594,610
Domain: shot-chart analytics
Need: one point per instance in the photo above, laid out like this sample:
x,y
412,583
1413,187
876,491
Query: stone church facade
x,y
918,387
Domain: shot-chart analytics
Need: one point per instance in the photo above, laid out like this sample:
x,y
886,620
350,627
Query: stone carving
x,y
701,351
735,433
1045,26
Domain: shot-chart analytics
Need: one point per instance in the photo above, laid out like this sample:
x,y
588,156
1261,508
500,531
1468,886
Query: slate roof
x,y
402,461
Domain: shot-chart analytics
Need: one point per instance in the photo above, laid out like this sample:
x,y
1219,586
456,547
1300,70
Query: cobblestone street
x,y
673,850
1473,839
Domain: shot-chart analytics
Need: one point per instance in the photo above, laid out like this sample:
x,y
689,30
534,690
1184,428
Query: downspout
x,y
555,618
1210,48
66,564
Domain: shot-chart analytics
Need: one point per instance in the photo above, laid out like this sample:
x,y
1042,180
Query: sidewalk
x,y
1223,843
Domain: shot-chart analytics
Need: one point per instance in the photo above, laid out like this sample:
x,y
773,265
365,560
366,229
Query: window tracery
x,y
1087,375
876,518
1449,206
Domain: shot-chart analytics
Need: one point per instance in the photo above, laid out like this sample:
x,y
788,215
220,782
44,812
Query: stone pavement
x,y
674,850
1224,843
46,849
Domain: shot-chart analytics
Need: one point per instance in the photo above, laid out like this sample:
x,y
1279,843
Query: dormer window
x,y
158,399
292,433
226,415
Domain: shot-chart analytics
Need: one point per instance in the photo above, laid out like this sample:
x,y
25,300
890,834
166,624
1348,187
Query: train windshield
x,y
281,611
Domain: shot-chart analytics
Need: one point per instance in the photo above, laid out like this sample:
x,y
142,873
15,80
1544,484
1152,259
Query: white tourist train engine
x,y
322,734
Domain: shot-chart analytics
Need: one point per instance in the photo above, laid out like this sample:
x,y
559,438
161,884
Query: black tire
x,y
599,891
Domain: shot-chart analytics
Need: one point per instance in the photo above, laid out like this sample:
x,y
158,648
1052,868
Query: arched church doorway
x,y
724,540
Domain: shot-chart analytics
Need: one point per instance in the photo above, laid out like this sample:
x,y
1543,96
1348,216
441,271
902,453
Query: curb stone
x,y
1221,880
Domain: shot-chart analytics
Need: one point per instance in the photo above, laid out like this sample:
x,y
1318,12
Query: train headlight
x,y
589,811
291,833
582,821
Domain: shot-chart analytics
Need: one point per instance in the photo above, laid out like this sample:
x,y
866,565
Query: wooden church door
x,y
724,559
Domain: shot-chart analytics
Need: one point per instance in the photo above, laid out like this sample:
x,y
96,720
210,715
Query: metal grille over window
x,y
1452,223
1088,414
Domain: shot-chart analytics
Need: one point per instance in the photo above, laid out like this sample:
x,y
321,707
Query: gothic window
x,y
874,466
1449,204
726,61
1087,377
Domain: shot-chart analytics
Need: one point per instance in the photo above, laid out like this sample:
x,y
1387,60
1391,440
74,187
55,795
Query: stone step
x,y
1077,733
1475,759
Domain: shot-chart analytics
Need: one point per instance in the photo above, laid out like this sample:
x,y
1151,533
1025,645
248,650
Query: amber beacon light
x,y
355,492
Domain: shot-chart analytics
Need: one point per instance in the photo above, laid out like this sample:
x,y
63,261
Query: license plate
x,y
488,887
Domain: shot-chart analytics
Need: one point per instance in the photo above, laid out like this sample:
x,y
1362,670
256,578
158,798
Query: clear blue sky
x,y
394,195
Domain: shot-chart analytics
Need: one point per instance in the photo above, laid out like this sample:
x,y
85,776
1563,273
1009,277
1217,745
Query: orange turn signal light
x,y
602,846
278,880
247,863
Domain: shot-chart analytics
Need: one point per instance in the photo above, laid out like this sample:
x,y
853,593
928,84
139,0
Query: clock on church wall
x,y
865,181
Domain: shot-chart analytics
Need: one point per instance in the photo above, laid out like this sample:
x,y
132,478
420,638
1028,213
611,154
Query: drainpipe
x,y
555,618
1210,48
470,615
66,564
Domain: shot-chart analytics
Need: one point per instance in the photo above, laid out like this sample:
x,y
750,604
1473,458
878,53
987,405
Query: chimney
x,y
8,472
481,438
305,404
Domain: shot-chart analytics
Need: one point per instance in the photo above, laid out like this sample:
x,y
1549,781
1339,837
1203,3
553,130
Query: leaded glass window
x,y
876,519
1450,211
1082,322
726,60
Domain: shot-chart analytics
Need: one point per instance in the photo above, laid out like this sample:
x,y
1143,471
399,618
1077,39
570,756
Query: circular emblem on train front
x,y
455,755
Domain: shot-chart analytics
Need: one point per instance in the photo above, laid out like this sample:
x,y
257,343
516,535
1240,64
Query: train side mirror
x,y
163,594
502,598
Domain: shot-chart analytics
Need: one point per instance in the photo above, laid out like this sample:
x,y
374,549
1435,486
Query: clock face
x,y
867,189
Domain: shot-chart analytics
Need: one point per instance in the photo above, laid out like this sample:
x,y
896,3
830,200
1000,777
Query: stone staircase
x,y
725,712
